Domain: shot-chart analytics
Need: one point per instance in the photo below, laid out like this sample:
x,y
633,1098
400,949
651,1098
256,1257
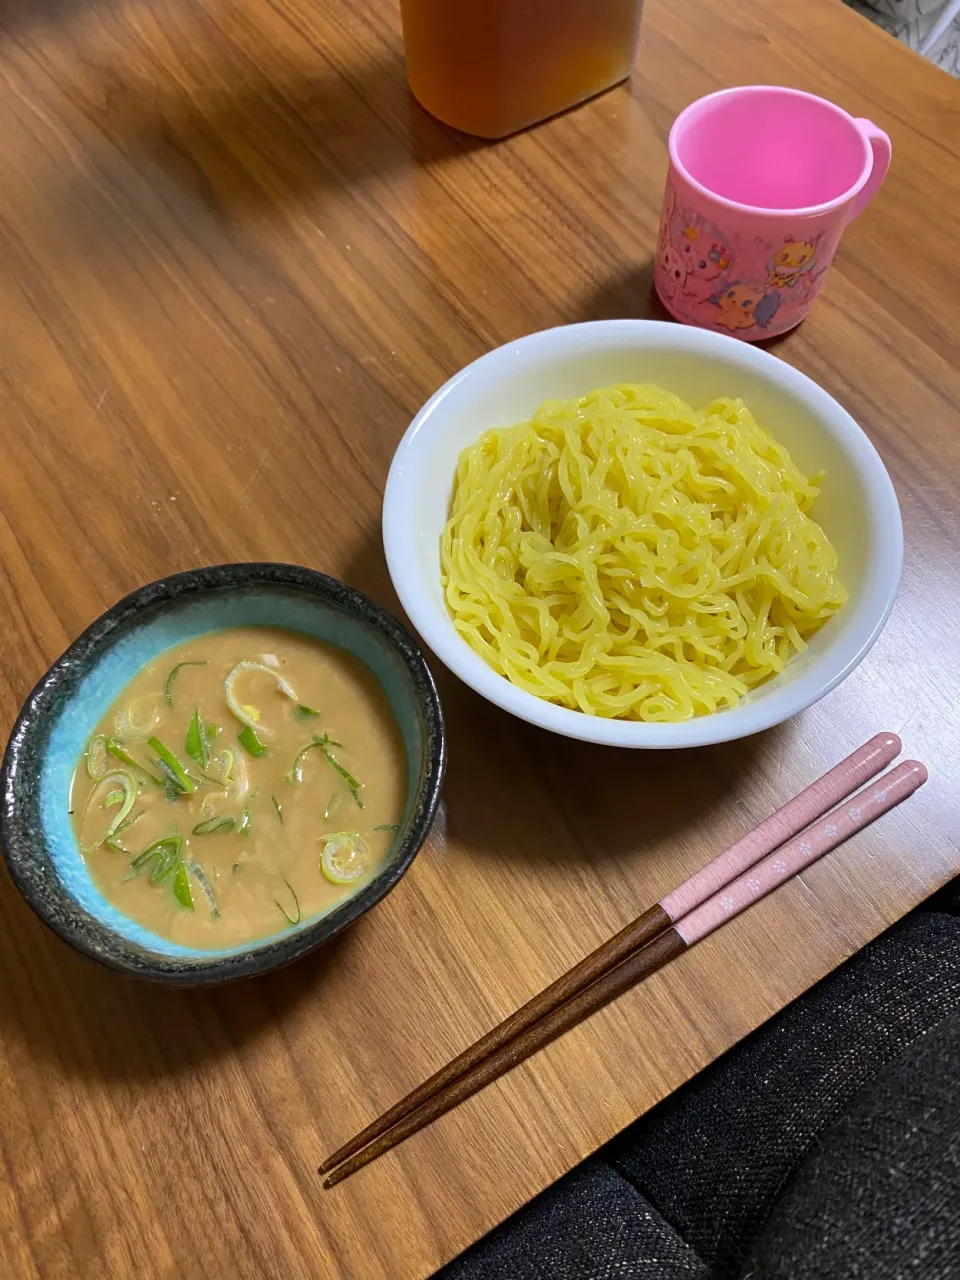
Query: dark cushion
x,y
880,1194
591,1225
714,1157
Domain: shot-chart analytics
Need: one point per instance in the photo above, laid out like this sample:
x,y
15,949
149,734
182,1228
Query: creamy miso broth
x,y
244,781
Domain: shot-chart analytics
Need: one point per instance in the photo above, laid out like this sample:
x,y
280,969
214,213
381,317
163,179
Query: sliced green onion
x,y
248,739
97,762
181,888
116,782
332,804
154,850
113,842
168,688
276,805
213,826
304,712
344,858
245,823
125,826
296,906
196,744
250,716
345,774
164,853
196,870
220,768
173,765
295,773
171,787
388,826
165,866
130,724
116,749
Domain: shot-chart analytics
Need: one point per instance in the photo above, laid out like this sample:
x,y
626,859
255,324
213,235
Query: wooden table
x,y
234,260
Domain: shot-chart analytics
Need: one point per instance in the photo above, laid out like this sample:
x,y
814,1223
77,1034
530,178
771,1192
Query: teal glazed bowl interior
x,y
62,711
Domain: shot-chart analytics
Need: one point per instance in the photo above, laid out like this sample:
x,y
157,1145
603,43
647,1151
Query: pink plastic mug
x,y
762,182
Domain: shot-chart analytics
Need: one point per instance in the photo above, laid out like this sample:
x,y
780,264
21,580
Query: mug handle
x,y
882,152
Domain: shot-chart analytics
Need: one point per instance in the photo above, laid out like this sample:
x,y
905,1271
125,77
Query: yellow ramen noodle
x,y
628,556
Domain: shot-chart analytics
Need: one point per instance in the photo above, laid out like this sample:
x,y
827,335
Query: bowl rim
x,y
37,716
401,540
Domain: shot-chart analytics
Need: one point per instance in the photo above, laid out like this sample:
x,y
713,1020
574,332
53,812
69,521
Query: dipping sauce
x,y
243,782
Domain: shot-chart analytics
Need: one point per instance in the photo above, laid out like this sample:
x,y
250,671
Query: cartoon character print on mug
x,y
711,278
691,259
784,281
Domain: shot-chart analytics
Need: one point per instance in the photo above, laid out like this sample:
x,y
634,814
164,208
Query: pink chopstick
x,y
803,850
843,779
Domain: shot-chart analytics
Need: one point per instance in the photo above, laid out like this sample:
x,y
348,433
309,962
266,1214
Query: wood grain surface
x,y
234,260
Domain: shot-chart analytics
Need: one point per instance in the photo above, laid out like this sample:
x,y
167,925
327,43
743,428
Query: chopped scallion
x,y
168,688
96,757
113,842
196,870
250,742
138,720
345,774
118,791
116,749
165,865
278,807
248,715
126,825
181,887
214,826
174,769
171,786
291,920
154,850
196,744
295,773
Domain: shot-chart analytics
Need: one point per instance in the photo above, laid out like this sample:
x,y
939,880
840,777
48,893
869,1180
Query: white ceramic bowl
x,y
857,507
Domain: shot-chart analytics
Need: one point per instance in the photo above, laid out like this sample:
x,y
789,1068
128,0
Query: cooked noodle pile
x,y
627,556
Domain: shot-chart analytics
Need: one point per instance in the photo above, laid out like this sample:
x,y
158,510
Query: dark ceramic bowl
x,y
60,714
